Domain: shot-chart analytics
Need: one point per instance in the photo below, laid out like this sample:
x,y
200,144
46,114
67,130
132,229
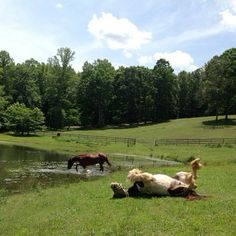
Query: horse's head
x,y
70,163
196,164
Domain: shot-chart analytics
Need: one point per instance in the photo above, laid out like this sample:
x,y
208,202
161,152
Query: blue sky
x,y
187,33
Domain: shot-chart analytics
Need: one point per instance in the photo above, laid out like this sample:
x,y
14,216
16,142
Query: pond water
x,y
23,168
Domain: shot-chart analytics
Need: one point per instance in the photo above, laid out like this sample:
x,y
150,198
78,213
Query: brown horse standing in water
x,y
87,159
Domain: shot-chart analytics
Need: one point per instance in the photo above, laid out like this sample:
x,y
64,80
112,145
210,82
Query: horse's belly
x,y
164,180
158,187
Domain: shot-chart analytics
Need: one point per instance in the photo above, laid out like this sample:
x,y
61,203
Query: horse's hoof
x,y
119,191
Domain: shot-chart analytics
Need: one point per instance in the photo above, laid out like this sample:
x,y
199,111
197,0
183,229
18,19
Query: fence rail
x,y
128,141
195,141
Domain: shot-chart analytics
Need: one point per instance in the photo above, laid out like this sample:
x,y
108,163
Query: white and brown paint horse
x,y
146,184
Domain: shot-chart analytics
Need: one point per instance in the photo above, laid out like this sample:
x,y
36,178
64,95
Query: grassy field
x,y
87,207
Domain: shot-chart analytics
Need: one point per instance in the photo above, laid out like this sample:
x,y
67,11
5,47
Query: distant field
x,y
203,127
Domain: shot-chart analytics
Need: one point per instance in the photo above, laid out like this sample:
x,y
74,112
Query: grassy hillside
x,y
202,127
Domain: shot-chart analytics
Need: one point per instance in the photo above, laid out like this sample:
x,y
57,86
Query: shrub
x,y
21,119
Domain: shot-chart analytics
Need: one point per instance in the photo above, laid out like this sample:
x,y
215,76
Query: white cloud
x,y
228,20
127,54
117,33
59,5
144,60
228,16
178,60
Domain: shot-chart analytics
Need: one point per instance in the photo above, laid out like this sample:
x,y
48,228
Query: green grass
x,y
87,207
203,127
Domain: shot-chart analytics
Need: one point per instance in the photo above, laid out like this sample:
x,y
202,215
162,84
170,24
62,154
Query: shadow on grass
x,y
219,123
22,135
124,126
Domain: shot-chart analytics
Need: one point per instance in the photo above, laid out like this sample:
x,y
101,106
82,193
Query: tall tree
x,y
190,98
24,88
183,94
166,85
229,81
198,104
220,83
6,71
134,94
94,92
58,93
3,106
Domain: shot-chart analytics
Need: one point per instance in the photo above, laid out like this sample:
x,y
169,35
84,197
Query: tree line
x,y
33,94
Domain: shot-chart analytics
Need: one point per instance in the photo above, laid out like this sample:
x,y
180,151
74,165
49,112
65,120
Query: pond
x,y
24,168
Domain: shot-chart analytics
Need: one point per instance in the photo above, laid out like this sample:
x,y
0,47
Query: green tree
x,y
94,92
183,94
3,106
220,83
59,94
198,104
6,72
134,94
190,98
166,86
21,119
24,88
72,117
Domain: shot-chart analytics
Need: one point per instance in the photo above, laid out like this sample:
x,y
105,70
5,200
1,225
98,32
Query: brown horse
x,y
87,159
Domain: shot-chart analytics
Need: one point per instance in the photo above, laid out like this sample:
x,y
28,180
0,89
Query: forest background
x,y
35,96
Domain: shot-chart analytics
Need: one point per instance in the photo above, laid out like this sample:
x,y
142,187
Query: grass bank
x,y
86,208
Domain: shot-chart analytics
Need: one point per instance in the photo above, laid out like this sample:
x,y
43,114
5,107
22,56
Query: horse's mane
x,y
137,175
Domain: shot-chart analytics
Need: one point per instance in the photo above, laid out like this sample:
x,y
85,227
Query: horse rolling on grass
x,y
147,184
87,159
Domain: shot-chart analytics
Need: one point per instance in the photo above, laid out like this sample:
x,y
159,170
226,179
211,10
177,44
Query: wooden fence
x,y
199,141
96,138
133,141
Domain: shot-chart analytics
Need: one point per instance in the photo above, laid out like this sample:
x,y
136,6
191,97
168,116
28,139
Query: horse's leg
x,y
76,167
101,167
133,191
